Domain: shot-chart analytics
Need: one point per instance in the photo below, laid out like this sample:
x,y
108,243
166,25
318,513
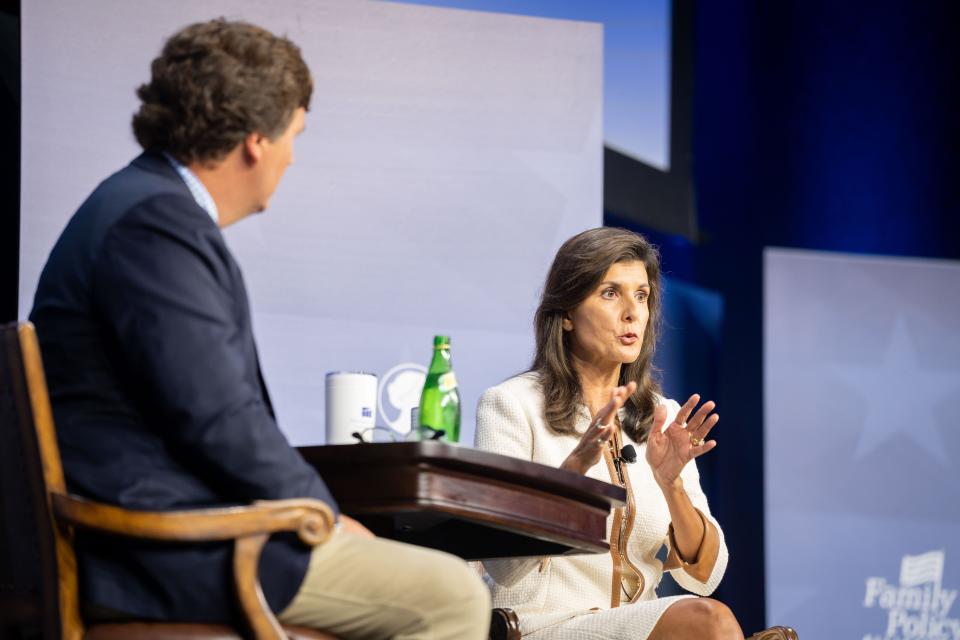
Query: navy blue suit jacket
x,y
145,332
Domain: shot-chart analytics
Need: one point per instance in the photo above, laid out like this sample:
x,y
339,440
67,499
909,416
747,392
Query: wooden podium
x,y
471,503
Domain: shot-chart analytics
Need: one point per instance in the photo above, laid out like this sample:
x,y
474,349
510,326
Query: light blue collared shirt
x,y
197,190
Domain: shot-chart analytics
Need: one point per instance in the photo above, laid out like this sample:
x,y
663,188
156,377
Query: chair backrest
x,y
38,576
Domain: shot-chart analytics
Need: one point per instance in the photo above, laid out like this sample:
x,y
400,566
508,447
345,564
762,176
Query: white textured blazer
x,y
569,597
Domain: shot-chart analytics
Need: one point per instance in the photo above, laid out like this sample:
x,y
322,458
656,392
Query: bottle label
x,y
447,382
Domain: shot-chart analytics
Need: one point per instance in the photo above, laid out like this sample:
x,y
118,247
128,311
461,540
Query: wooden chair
x,y
38,569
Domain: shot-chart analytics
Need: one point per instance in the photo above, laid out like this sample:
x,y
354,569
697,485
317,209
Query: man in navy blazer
x,y
158,396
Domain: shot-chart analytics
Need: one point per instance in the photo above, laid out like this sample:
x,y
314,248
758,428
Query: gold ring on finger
x,y
696,441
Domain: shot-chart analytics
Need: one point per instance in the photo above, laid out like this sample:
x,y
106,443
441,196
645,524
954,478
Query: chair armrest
x,y
775,633
249,527
504,625
311,519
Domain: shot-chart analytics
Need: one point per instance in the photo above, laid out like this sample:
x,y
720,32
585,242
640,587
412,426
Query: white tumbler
x,y
351,405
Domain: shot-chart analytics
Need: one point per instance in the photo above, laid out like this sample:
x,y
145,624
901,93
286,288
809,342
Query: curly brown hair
x,y
216,82
577,270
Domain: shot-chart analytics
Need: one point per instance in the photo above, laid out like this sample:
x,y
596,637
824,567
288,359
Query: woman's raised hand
x,y
590,448
670,449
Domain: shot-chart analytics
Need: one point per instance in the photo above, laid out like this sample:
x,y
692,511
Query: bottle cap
x,y
441,341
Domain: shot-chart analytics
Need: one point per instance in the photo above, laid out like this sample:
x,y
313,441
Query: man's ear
x,y
253,147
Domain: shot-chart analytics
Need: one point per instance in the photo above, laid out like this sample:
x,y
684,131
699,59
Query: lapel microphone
x,y
627,454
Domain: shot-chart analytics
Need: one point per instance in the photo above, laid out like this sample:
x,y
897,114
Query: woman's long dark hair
x,y
577,270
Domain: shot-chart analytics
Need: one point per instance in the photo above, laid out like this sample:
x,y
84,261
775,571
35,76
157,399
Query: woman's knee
x,y
717,620
700,619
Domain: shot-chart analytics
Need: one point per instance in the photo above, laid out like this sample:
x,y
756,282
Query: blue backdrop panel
x,y
689,346
862,383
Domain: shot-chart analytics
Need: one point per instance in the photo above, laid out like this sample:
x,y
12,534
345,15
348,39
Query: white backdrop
x,y
862,385
447,155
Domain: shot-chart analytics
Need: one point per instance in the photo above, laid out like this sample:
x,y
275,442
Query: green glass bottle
x,y
440,400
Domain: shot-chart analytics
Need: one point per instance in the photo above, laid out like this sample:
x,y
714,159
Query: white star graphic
x,y
900,396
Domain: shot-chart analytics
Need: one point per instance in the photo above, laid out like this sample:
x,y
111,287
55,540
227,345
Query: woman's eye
x,y
642,296
609,294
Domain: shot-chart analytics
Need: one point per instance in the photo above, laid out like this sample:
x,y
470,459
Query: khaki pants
x,y
376,588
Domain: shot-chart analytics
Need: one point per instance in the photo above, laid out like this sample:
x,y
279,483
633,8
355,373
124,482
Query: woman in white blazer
x,y
590,392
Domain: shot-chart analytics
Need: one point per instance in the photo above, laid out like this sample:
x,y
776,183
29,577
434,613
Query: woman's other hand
x,y
670,449
590,448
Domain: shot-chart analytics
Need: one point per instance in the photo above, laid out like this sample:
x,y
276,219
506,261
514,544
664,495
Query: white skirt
x,y
627,622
